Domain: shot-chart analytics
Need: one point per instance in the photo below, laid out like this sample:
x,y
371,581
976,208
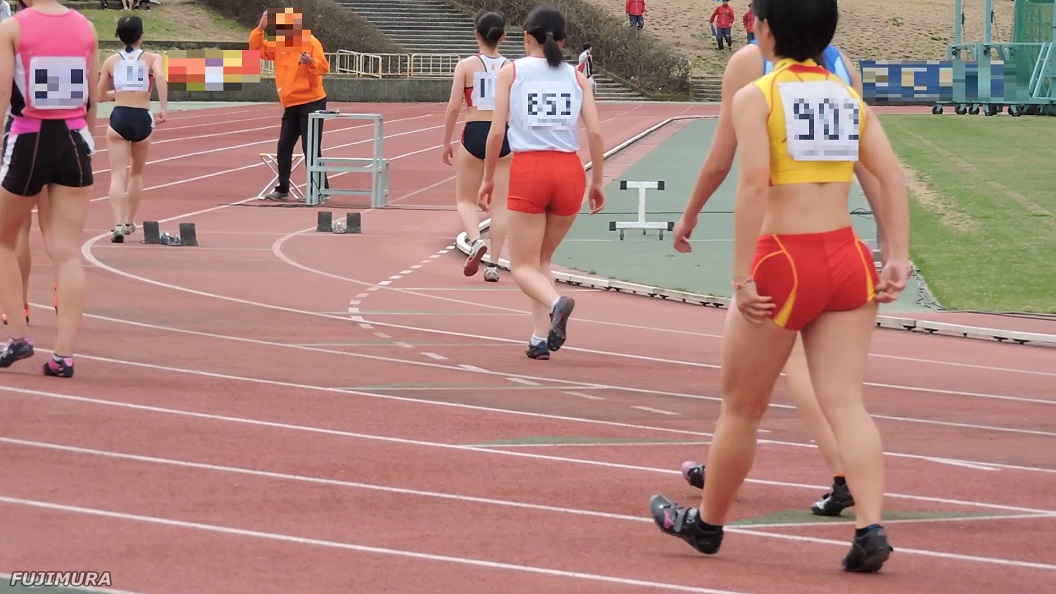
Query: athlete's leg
x,y
806,402
15,211
468,172
837,349
25,258
557,228
498,212
120,151
65,212
752,358
139,154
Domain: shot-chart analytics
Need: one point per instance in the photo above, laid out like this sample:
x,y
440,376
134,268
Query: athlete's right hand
x,y
754,307
449,154
893,279
484,195
683,229
597,198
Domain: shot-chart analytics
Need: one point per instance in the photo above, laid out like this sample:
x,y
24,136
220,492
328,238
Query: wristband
x,y
737,286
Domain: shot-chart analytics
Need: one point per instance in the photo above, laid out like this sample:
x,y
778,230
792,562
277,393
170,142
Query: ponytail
x,y
552,51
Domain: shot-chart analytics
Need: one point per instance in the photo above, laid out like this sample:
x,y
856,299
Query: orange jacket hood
x,y
296,83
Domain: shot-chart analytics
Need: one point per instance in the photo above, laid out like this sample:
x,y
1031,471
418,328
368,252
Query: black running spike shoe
x,y
538,351
15,350
834,502
559,322
685,523
868,552
693,473
58,368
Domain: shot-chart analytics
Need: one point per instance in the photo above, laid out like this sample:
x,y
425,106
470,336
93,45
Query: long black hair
x,y
802,29
547,25
491,26
129,31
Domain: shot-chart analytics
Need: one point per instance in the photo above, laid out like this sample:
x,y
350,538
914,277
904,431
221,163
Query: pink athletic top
x,y
51,70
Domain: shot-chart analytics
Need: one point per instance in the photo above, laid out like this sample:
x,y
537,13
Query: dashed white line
x,y
523,381
416,267
355,302
582,395
434,356
658,411
362,295
405,345
473,368
385,282
395,277
406,271
381,335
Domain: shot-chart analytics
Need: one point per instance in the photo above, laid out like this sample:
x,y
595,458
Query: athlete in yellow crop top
x,y
799,267
827,119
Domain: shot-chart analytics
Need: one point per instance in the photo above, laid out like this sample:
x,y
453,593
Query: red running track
x,y
284,410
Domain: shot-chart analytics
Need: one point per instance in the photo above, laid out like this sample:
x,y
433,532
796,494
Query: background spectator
x,y
749,23
586,66
722,19
636,13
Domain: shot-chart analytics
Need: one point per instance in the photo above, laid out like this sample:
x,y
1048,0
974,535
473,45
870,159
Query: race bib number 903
x,y
549,105
58,82
822,121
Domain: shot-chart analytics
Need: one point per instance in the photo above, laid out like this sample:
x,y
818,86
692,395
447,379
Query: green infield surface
x,y
643,258
983,208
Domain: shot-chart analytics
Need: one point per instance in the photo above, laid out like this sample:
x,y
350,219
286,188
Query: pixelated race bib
x,y
58,82
548,105
822,121
131,75
484,89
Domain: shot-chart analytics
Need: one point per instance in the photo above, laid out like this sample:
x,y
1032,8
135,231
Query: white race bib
x,y
484,90
548,105
822,121
131,75
58,83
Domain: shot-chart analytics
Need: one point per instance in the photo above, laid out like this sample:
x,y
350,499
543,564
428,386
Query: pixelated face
x,y
289,25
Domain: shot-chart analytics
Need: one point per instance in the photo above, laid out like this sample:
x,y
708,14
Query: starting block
x,y
641,223
270,159
325,223
152,235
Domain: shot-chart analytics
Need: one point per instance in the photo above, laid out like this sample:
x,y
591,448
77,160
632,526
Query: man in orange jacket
x,y
299,68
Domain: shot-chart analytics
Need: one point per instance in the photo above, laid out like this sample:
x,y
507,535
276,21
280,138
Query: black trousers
x,y
294,126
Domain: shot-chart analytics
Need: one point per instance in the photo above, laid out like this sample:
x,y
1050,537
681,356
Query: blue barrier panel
x,y
939,81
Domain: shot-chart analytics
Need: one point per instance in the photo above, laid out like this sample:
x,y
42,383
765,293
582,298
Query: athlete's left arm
x,y
158,69
749,124
319,65
106,80
870,185
876,154
93,74
9,33
503,83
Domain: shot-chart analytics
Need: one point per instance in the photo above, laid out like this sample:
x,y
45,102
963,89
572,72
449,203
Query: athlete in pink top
x,y
48,68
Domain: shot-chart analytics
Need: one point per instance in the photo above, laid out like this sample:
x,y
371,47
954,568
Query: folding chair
x,y
270,160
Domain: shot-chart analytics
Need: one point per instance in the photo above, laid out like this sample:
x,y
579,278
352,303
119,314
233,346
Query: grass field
x,y
983,208
173,21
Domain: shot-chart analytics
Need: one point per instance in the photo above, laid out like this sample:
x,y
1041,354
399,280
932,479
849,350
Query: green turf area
x,y
983,208
177,22
645,259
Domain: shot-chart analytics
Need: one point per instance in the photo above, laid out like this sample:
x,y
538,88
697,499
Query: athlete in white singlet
x,y
132,73
543,98
474,82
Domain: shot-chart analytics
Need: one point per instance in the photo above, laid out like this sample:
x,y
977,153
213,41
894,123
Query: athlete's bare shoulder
x,y
744,66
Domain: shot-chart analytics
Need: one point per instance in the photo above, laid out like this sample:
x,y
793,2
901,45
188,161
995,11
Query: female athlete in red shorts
x,y
745,66
798,262
543,97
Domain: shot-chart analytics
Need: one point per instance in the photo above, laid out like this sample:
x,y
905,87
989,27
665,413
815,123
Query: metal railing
x,y
370,65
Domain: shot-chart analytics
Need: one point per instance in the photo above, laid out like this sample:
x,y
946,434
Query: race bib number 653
x,y
58,82
548,105
822,121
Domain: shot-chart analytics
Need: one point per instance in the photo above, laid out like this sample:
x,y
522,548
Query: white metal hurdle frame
x,y
641,223
318,165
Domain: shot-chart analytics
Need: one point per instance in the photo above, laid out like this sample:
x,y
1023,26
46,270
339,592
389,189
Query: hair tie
x,y
549,33
128,48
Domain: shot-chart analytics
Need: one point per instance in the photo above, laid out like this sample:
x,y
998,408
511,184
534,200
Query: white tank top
x,y
483,97
544,107
130,73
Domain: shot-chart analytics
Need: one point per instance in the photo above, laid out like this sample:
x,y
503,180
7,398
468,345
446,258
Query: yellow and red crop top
x,y
814,124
